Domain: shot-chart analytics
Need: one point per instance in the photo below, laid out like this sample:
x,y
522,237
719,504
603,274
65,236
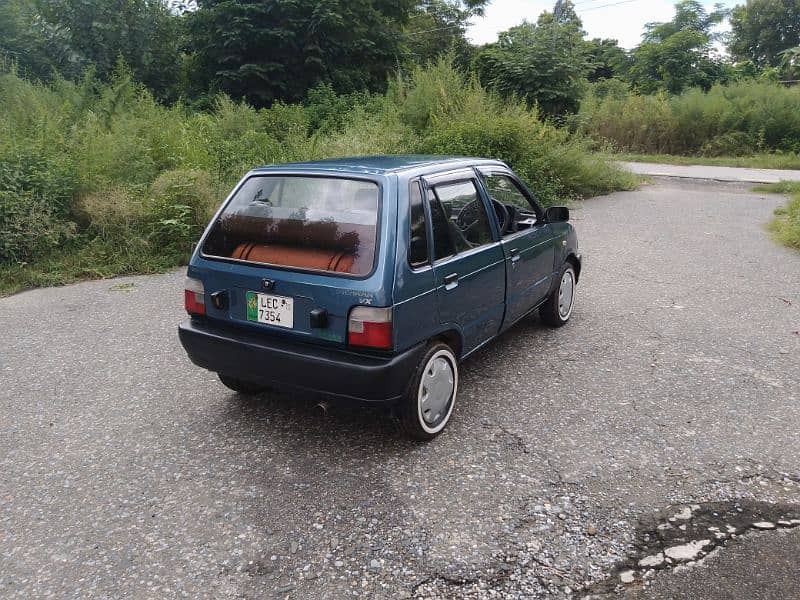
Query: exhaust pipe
x,y
323,407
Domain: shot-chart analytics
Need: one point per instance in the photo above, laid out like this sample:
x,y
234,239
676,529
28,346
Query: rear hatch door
x,y
290,254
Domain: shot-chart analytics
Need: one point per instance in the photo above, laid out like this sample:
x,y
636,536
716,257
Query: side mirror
x,y
557,214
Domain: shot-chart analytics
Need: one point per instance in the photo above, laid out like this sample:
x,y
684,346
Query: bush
x,y
740,118
734,143
177,208
35,205
111,214
29,228
167,218
525,144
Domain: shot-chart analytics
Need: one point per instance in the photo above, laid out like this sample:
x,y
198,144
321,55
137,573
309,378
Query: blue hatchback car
x,y
370,279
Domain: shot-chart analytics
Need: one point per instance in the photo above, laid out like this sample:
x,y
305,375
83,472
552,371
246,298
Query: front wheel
x,y
428,403
557,310
247,388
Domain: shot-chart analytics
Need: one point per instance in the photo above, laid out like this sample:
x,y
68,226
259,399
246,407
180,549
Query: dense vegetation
x,y
267,50
737,119
99,179
124,122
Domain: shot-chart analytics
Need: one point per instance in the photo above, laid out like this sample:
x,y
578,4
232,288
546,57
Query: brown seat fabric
x,y
293,256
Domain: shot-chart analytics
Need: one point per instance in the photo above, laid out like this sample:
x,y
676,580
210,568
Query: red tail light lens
x,y
370,327
194,297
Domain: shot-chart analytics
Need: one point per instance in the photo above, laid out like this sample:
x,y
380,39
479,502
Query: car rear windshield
x,y
308,223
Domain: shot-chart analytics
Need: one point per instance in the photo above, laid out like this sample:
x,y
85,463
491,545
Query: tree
x,y
678,54
607,60
690,15
437,27
68,36
38,49
267,50
144,33
762,29
544,63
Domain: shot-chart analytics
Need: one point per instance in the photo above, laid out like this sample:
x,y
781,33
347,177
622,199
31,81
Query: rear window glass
x,y
309,223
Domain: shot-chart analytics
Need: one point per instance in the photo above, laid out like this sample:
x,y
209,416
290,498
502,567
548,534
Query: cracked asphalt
x,y
126,472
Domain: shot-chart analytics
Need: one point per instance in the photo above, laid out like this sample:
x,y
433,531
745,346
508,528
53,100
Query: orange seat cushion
x,y
294,256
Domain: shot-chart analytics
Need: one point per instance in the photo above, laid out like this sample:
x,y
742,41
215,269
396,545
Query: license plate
x,y
269,309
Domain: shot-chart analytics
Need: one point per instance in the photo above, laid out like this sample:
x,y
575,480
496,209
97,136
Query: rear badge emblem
x,y
267,285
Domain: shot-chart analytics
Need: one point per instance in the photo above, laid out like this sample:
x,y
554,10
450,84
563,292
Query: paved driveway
x,y
720,174
127,472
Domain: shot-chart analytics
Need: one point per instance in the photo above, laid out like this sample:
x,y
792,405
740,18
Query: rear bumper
x,y
293,365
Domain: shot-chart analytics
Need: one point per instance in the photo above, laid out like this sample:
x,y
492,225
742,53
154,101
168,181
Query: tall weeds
x,y
739,119
101,179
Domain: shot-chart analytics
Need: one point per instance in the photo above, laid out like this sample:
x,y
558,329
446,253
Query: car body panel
x,y
470,286
530,257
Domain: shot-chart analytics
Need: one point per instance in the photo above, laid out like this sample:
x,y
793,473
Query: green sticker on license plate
x,y
270,309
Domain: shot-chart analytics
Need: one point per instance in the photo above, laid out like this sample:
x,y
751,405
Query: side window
x,y
504,189
461,216
442,242
418,232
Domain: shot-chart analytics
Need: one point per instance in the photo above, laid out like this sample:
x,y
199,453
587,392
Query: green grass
x,y
81,262
758,161
786,224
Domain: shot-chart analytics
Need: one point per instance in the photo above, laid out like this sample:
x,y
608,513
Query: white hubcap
x,y
437,391
566,295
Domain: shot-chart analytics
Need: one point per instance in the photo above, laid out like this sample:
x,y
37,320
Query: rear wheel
x,y
429,400
248,388
557,310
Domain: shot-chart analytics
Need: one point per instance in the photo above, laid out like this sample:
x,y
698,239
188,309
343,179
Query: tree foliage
x,y
69,36
544,63
607,60
265,50
762,29
268,51
36,47
678,54
438,27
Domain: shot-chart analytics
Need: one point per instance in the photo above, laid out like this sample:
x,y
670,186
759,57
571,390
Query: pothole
x,y
681,536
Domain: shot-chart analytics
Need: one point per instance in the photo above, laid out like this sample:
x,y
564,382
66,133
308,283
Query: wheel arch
x,y
452,338
576,264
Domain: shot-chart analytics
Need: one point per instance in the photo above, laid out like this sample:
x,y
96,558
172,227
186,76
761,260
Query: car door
x,y
468,266
528,244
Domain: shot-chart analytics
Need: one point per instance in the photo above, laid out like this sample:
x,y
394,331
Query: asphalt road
x,y
126,472
721,174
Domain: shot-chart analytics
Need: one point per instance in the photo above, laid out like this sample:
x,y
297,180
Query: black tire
x,y
554,312
438,362
247,388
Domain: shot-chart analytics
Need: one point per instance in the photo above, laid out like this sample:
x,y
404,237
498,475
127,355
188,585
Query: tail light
x,y
370,327
194,297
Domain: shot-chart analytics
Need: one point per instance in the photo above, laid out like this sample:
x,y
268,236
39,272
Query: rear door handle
x,y
514,252
451,281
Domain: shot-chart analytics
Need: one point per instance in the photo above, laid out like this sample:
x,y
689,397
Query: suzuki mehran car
x,y
371,279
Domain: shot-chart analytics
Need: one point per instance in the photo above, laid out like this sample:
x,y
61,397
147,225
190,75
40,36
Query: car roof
x,y
382,164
